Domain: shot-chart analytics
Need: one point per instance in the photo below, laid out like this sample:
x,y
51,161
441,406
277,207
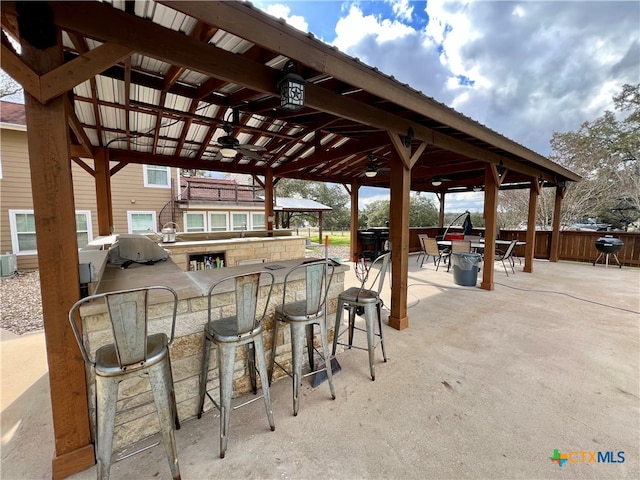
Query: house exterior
x,y
144,197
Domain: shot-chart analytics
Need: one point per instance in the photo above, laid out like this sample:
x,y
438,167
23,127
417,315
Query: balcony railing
x,y
204,192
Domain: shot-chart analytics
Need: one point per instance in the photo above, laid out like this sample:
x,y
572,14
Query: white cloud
x,y
402,9
279,10
356,27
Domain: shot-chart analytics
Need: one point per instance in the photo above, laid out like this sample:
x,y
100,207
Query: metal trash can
x,y
465,268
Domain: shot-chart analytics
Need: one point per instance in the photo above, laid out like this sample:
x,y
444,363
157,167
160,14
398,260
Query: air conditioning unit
x,y
8,264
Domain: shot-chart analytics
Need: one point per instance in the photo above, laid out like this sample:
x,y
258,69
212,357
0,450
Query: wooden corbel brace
x,y
52,84
76,126
496,176
403,152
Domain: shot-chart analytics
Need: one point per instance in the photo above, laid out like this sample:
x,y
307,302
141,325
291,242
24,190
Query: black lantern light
x,y
291,88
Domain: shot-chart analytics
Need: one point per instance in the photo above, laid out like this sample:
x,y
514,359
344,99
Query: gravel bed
x,y
21,303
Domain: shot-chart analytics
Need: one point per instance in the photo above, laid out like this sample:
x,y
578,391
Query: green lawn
x,y
334,240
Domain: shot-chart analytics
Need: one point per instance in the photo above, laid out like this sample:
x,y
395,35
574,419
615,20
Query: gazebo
x,y
205,85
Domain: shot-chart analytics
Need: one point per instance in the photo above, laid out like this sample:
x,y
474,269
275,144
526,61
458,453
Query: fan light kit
x,y
372,169
436,182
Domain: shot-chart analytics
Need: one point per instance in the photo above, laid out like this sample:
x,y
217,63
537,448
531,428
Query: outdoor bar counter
x,y
136,424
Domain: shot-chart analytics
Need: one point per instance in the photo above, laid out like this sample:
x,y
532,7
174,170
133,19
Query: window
x,y
141,222
83,228
23,230
257,221
239,221
218,222
155,176
194,222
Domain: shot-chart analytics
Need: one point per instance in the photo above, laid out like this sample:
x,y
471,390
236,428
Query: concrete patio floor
x,y
481,385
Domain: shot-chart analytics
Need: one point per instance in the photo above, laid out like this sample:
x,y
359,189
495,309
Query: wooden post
x,y
353,231
555,234
54,209
491,181
102,178
441,211
530,248
268,200
399,236
320,240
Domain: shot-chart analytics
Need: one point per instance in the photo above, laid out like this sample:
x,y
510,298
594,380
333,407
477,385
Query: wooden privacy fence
x,y
578,246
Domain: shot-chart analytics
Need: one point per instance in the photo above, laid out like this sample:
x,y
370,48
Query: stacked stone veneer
x,y
271,249
137,418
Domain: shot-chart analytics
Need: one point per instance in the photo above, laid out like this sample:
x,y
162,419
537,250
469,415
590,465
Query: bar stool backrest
x,y
318,277
128,314
247,293
381,264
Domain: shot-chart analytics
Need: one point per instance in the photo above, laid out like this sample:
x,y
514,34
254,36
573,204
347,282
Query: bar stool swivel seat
x,y
133,353
230,332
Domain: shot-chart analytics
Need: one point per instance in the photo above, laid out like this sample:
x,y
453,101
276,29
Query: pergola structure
x,y
117,82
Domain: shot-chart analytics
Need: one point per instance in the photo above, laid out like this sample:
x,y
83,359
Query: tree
x,y
606,153
422,213
8,86
332,195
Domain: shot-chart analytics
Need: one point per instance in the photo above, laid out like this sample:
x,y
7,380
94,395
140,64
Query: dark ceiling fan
x,y
231,146
373,169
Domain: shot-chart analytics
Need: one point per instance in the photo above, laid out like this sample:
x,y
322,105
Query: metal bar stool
x,y
301,316
367,301
230,332
133,353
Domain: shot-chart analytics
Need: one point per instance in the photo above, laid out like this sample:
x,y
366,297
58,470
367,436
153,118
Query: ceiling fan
x,y
437,181
373,169
231,146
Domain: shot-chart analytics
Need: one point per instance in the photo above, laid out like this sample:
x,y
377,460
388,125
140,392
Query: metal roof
x,y
181,70
299,205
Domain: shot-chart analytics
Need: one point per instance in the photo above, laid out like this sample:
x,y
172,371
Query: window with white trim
x,y
218,222
23,230
194,222
83,227
157,176
257,220
141,222
239,220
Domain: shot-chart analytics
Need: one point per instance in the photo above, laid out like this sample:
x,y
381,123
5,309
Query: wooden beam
x,y
353,230
21,73
490,222
404,152
530,248
103,192
82,68
153,40
252,25
399,238
84,166
269,200
76,126
554,254
53,204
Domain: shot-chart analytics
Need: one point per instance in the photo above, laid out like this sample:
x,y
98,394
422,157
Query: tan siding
x,y
129,193
15,192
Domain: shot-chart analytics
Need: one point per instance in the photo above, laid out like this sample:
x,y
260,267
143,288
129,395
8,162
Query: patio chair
x,y
132,353
365,297
507,256
230,332
431,250
458,246
302,315
421,239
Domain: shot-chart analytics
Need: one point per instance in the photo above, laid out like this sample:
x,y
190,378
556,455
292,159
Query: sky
x,y
522,68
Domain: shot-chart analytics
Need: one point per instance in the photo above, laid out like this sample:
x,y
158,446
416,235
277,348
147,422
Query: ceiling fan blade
x,y
253,148
249,154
